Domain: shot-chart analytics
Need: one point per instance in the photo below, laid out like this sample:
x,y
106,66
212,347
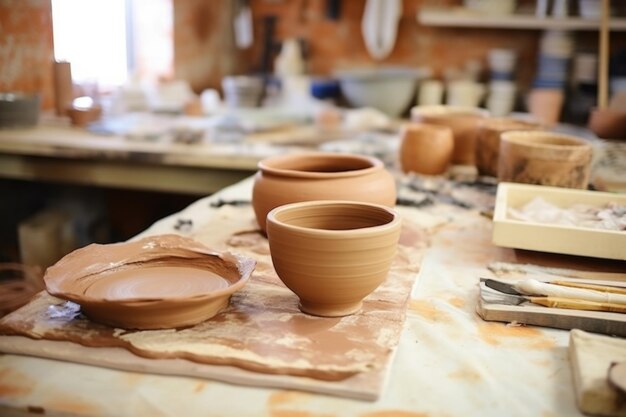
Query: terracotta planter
x,y
464,122
320,176
332,254
426,149
488,142
544,158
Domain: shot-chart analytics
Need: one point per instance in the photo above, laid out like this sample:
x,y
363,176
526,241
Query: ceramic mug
x,y
425,148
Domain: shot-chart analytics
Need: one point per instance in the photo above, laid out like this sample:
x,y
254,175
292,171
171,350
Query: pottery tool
x,y
517,297
496,306
380,26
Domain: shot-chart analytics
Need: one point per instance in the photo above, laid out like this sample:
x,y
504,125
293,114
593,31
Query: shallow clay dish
x,y
157,282
332,254
312,176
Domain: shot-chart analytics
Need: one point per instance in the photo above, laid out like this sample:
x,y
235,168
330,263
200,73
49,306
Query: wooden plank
x,y
590,358
130,174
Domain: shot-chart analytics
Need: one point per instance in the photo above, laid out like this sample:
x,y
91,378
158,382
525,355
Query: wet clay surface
x,y
262,330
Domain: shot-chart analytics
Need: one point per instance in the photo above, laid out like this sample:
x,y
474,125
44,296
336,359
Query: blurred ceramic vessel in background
x,y
545,104
544,158
488,142
608,123
19,109
320,176
464,122
425,149
332,254
388,89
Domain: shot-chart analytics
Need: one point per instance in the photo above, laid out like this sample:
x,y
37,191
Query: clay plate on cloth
x,y
157,282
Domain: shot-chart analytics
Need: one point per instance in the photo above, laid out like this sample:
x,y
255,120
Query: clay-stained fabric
x,y
262,330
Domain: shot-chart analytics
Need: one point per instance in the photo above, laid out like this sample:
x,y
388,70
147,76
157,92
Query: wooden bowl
x,y
332,254
544,158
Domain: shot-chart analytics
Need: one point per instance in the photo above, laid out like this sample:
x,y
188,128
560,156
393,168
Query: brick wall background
x,y
204,48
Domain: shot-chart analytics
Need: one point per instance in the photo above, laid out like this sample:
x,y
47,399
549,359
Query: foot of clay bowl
x,y
325,310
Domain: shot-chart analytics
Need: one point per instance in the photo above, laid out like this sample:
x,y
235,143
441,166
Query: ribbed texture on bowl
x,y
332,254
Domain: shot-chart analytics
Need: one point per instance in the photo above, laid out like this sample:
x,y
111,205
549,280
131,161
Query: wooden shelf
x,y
461,17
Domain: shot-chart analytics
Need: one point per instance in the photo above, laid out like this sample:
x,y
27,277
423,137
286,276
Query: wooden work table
x,y
448,361
57,152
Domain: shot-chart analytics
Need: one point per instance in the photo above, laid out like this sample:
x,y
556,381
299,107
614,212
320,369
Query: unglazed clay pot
x,y
426,149
158,282
332,254
464,122
488,142
320,176
544,158
608,123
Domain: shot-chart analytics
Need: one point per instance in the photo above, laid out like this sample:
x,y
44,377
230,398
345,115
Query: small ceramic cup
x,y
426,149
544,158
332,254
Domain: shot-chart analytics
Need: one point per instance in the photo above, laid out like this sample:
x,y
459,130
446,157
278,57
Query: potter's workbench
x,y
448,362
57,152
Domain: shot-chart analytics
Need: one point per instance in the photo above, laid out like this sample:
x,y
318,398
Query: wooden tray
x,y
555,238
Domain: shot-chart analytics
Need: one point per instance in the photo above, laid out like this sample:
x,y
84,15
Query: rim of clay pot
x,y
427,127
442,110
545,140
56,281
382,217
320,165
507,123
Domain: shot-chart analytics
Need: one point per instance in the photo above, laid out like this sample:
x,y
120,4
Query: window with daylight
x,y
108,41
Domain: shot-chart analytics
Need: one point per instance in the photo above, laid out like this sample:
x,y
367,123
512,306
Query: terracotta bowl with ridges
x,y
332,254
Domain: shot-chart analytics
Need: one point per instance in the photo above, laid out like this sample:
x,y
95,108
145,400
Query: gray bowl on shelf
x,y
388,89
19,109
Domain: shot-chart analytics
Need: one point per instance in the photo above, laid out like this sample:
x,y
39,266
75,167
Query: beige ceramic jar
x,y
320,176
426,149
332,254
544,158
488,142
464,122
